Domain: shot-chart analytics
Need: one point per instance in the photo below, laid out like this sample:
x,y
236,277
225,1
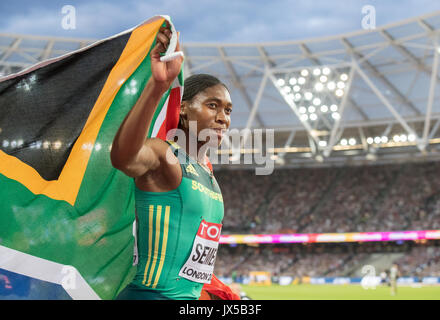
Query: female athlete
x,y
179,206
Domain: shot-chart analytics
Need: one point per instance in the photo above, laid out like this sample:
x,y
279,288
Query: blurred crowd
x,y
349,199
325,260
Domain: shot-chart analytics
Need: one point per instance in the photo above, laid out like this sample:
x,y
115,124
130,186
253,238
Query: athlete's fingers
x,y
167,32
178,41
164,39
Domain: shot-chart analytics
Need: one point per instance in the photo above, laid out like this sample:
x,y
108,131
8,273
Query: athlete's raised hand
x,y
164,72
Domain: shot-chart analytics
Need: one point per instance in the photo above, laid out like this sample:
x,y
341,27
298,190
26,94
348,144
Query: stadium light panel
x,y
316,101
319,86
308,96
336,115
317,72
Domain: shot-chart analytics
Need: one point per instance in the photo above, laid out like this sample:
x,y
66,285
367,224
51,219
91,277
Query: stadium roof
x,y
361,97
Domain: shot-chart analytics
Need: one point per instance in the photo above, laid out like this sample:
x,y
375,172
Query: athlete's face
x,y
211,110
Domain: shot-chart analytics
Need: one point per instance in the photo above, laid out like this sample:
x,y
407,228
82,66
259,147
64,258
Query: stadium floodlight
x,y
384,139
57,144
411,137
312,109
308,96
336,115
319,86
324,108
331,86
302,109
322,143
377,140
292,81
316,71
297,96
344,142
304,117
301,80
340,85
396,138
5,143
304,72
281,82
370,140
352,141
313,116
339,93
316,101
323,78
287,89
333,108
403,138
326,71
296,88
344,77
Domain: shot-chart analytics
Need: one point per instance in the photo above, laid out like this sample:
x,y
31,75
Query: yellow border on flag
x,y
67,186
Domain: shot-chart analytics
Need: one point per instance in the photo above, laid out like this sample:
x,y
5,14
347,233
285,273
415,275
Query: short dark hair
x,y
197,83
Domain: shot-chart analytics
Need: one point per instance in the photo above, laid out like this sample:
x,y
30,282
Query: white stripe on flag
x,y
160,118
45,270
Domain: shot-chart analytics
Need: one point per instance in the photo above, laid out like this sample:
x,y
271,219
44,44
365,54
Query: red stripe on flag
x,y
173,112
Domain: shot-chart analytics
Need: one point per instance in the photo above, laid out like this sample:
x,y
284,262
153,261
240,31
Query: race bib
x,y
200,264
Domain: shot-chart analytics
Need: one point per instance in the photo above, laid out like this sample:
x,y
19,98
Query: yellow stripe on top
x,y
164,245
150,240
156,244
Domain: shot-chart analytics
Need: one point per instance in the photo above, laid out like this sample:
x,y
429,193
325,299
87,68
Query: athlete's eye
x,y
228,110
212,105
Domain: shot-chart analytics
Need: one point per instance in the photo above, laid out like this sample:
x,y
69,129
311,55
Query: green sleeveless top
x,y
177,233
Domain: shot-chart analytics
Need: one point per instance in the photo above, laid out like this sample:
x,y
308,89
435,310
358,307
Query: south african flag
x,y
66,215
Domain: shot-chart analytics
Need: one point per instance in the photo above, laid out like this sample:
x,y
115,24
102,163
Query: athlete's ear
x,y
183,113
183,109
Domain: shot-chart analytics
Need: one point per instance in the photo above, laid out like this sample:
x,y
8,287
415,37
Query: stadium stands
x,y
349,199
326,260
327,200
